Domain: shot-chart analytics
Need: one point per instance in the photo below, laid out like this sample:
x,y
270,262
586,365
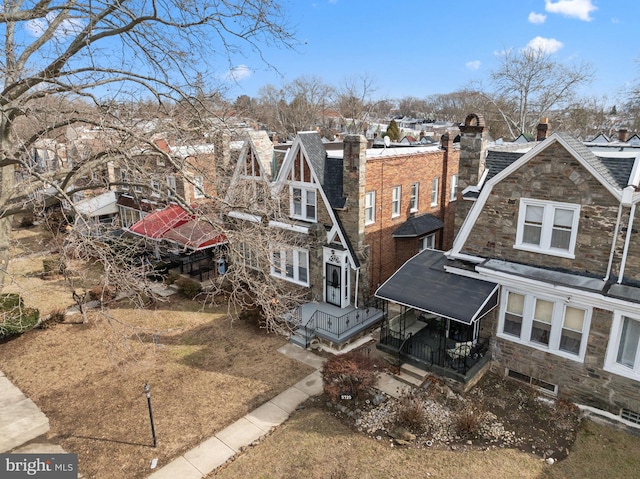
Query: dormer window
x,y
303,203
547,227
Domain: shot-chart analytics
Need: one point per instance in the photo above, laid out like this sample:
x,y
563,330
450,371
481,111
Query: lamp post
x,y
147,390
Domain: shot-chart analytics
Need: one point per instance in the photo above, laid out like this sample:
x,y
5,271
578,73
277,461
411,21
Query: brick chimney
x,y
473,154
542,130
622,134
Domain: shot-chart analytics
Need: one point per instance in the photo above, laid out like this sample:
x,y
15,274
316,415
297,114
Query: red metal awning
x,y
179,226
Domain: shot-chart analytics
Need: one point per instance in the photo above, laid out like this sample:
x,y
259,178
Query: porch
x,y
332,324
436,344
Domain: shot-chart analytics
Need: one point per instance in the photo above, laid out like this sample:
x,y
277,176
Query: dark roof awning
x,y
422,283
417,226
179,226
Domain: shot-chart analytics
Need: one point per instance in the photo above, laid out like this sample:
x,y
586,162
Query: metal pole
x,y
147,389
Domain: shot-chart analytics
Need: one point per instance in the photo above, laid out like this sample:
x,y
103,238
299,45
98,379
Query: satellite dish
x,y
387,141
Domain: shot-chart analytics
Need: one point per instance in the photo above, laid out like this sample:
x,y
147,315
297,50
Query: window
x,y
428,242
435,184
453,196
396,194
622,353
413,201
370,208
123,175
155,188
546,227
249,256
171,186
291,264
198,187
303,203
544,323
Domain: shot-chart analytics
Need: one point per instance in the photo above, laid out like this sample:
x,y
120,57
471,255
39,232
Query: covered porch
x,y
332,324
435,317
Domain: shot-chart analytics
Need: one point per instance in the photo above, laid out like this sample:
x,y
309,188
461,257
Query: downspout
x,y
443,191
626,242
357,290
613,243
627,199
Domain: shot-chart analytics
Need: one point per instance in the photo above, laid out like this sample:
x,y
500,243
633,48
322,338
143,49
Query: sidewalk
x,y
217,450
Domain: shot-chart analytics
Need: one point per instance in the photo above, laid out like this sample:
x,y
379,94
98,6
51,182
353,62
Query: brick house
x,y
359,212
552,228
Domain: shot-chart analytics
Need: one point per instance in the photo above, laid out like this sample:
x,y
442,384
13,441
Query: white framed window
x,y
171,186
303,203
428,242
123,176
291,264
155,188
453,195
413,200
249,255
370,208
396,195
623,351
547,227
435,186
544,323
198,187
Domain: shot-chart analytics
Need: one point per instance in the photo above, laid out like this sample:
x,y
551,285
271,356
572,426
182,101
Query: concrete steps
x,y
20,419
412,375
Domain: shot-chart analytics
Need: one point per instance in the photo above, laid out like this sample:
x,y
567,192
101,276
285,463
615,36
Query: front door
x,y
333,287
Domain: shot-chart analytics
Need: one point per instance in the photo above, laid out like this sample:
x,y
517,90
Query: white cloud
x,y
238,73
537,17
545,45
68,27
473,65
579,9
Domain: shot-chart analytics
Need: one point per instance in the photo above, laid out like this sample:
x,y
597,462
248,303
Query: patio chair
x,y
459,353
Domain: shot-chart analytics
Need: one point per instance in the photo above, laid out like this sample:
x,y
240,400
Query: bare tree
x,y
528,84
355,102
80,66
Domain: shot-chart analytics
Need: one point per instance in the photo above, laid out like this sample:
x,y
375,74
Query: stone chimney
x,y
354,160
473,154
542,130
622,134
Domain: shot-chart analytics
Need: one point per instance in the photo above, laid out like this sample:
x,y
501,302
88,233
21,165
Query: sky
x,y
423,48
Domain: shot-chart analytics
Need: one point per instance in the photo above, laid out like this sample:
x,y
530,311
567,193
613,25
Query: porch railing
x,y
339,326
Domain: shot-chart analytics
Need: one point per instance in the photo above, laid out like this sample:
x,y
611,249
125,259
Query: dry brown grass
x,y
204,373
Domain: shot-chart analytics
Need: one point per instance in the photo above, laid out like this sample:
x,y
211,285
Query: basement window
x,y
630,416
539,384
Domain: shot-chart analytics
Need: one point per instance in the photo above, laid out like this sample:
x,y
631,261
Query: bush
x,y
15,318
188,287
172,277
468,422
52,266
56,316
26,221
102,293
411,413
351,373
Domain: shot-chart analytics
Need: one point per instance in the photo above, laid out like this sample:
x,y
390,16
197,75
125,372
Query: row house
x,y
354,213
547,259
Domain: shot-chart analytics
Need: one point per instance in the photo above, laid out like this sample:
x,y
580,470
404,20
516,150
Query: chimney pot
x,y
622,134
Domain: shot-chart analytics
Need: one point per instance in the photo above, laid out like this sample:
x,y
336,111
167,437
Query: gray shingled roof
x,y
316,153
499,160
417,226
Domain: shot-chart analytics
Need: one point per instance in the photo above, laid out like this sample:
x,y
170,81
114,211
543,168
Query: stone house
x,y
357,213
552,228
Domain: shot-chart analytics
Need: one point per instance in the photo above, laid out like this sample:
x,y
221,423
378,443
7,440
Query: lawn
x,y
204,372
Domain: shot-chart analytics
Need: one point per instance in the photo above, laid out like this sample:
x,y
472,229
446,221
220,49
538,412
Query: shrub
x,y
351,373
26,221
102,293
15,318
172,277
189,287
468,422
410,412
52,266
56,316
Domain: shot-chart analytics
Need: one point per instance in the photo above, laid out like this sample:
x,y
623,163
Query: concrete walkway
x,y
20,419
224,445
215,451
